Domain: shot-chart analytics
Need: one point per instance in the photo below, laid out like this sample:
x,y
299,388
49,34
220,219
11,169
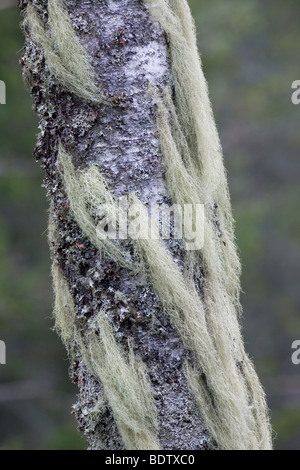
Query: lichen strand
x,y
94,415
128,51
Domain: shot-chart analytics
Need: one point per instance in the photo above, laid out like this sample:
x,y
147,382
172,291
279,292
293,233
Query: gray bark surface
x,y
128,50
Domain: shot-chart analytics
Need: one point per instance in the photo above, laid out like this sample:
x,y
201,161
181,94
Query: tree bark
x,y
128,51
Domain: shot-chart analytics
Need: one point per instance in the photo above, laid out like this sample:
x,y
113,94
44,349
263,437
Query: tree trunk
x,y
7,4
118,132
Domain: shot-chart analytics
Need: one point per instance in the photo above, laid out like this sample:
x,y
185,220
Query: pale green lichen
x,y
196,174
226,392
66,58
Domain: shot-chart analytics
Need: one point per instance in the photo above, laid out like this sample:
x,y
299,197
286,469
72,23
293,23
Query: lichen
x,y
179,311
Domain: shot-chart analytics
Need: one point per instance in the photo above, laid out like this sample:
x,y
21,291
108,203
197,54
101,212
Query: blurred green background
x,y
250,52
